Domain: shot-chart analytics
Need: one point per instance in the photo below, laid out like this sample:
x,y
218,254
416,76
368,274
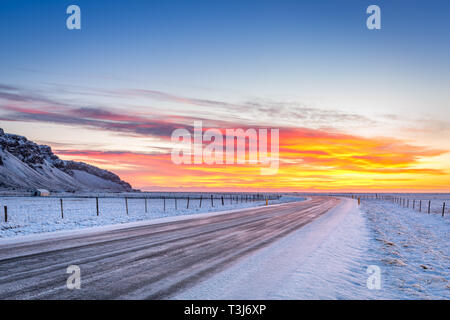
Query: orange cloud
x,y
313,160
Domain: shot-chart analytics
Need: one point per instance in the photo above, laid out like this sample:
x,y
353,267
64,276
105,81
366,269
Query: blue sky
x,y
231,45
316,52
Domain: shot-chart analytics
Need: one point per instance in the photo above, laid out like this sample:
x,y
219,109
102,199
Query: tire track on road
x,y
154,261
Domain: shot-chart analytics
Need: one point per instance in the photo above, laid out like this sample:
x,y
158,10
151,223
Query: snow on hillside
x,y
25,165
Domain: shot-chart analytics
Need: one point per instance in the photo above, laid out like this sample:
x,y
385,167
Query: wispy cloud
x,y
311,157
15,94
97,119
252,112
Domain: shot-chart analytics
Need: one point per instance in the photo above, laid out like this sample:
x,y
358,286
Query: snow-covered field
x,y
410,247
436,202
326,259
28,215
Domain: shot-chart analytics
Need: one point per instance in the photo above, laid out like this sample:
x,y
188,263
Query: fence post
x,y
164,199
201,198
212,201
126,204
429,204
420,206
443,209
146,208
176,207
359,201
187,206
6,213
222,201
96,204
414,204
61,205
408,203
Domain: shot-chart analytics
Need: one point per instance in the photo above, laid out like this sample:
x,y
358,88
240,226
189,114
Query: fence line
x,y
401,201
62,210
65,205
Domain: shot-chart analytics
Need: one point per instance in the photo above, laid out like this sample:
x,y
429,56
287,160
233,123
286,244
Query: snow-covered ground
x,y
411,248
28,215
329,259
326,259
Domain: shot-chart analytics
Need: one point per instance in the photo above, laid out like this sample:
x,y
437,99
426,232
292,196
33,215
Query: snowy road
x,y
152,261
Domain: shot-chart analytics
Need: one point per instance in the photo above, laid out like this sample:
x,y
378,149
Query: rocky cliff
x,y
25,165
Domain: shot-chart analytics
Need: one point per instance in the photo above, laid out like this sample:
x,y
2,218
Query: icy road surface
x,y
153,260
323,260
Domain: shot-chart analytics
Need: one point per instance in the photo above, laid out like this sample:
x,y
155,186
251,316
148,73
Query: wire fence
x,y
34,209
413,202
